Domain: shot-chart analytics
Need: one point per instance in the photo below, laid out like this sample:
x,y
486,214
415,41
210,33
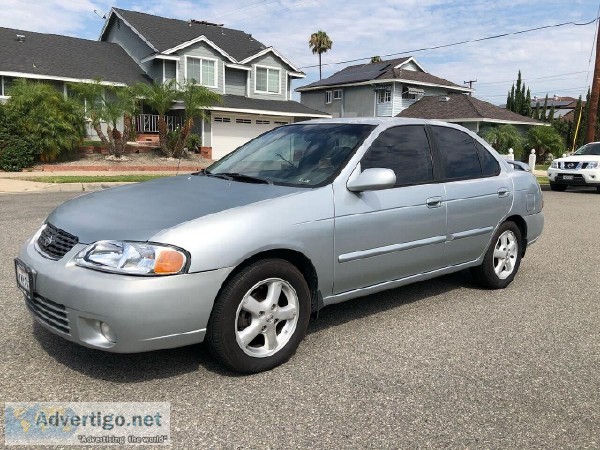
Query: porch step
x,y
151,138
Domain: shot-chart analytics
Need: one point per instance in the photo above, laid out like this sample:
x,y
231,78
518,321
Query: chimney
x,y
20,38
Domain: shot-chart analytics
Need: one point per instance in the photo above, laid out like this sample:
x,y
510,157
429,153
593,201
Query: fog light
x,y
107,332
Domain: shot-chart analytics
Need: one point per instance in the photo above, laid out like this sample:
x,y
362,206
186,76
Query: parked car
x,y
304,216
582,168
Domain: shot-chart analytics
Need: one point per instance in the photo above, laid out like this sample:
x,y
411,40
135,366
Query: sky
x,y
553,61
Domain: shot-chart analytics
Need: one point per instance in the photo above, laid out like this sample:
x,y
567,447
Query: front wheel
x,y
502,259
558,187
260,317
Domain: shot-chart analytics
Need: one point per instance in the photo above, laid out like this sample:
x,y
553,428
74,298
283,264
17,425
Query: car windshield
x,y
589,149
303,155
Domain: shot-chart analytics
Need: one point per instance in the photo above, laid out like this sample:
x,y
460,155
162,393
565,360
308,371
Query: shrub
x,y
17,154
193,142
504,137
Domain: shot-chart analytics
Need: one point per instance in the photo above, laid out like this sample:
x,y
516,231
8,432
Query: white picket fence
x,y
532,157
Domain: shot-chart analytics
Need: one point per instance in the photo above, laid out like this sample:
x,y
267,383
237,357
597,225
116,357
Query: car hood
x,y
579,158
137,212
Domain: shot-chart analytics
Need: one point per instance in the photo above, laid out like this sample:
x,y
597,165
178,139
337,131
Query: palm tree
x,y
161,97
504,137
195,100
108,104
319,43
545,140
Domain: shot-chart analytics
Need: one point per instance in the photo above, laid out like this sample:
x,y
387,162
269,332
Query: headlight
x,y
593,165
132,258
554,164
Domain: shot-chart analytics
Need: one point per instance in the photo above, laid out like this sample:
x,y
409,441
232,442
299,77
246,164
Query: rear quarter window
x,y
489,165
459,157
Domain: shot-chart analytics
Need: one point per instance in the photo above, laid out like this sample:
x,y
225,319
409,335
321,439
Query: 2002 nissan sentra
x,y
306,215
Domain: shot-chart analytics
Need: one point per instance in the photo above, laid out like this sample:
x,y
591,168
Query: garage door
x,y
229,132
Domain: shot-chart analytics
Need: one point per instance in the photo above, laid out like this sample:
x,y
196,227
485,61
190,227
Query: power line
x,y
468,41
535,78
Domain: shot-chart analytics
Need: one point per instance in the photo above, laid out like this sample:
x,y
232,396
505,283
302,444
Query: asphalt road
x,y
436,364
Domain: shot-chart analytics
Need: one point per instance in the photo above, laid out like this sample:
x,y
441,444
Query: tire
x,y
494,272
251,329
558,187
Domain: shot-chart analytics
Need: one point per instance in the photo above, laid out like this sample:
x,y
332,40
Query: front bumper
x,y
145,313
582,177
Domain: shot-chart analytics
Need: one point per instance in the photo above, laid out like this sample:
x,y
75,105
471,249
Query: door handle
x,y
503,192
434,202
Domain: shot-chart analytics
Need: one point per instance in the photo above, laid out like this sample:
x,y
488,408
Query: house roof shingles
x,y
164,33
384,70
461,106
67,57
246,103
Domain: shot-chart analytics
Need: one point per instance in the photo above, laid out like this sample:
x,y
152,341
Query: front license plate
x,y
567,177
24,278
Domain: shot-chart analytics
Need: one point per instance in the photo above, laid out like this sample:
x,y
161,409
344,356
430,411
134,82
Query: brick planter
x,y
206,152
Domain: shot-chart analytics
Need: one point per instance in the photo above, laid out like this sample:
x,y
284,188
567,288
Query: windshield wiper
x,y
240,177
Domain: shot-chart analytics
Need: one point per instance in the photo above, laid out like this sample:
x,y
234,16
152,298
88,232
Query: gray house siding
x,y
235,81
357,101
202,50
135,47
269,60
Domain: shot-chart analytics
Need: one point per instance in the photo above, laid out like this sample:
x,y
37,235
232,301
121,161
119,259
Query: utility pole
x,y
593,106
470,83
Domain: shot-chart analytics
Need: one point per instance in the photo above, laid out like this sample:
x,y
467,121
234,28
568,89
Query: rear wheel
x,y
502,259
260,317
558,187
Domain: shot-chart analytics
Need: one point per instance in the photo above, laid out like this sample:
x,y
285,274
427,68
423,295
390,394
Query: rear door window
x,y
405,150
489,164
459,157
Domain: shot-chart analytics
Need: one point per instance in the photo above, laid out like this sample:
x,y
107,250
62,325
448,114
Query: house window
x,y
222,119
384,96
243,121
169,70
268,80
337,94
262,122
202,71
412,93
7,85
279,122
327,97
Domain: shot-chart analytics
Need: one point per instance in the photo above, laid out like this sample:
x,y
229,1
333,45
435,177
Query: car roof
x,y
385,121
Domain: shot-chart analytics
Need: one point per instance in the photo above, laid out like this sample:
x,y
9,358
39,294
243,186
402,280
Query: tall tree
x,y
551,114
545,109
536,111
526,109
518,102
320,43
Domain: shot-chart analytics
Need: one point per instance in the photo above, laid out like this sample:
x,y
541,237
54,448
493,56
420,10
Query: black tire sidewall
x,y
221,337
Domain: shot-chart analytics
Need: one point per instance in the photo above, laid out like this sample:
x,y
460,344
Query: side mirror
x,y
372,180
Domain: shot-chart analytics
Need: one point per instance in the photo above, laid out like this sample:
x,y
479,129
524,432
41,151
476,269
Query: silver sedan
x,y
242,254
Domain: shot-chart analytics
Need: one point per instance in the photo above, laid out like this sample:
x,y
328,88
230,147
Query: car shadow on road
x,y
162,364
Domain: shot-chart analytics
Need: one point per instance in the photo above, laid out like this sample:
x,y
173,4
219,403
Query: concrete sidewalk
x,y
13,186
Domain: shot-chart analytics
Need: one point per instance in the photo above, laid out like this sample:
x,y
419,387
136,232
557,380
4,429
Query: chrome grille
x,y
55,242
51,313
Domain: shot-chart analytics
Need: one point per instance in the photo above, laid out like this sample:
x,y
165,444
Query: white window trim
x,y
328,97
341,94
384,101
216,74
256,91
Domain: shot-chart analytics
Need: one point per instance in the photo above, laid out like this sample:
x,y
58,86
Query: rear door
x,y
478,193
392,233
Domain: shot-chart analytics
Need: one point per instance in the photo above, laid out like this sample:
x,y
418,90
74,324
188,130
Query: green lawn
x,y
542,166
542,180
95,179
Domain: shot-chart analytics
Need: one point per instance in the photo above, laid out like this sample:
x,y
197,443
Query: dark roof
x,y
460,106
64,56
289,106
164,33
558,102
383,70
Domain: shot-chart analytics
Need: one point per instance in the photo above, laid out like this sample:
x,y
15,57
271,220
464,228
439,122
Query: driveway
x,y
436,364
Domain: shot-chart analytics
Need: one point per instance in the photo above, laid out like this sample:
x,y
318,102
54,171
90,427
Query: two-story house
x,y
377,89
254,80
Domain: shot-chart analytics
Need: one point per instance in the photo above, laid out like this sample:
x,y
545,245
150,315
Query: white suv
x,y
582,168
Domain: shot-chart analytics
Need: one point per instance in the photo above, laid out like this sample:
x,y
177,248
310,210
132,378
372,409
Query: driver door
x,y
393,233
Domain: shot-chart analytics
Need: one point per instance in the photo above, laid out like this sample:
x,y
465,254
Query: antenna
x,y
103,17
